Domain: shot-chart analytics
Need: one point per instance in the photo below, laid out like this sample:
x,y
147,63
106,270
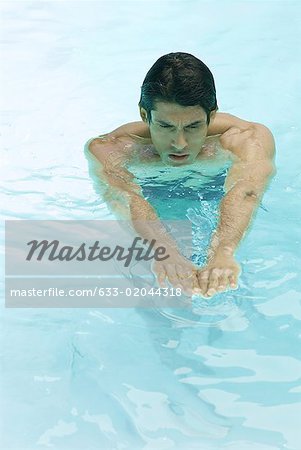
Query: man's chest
x,y
212,155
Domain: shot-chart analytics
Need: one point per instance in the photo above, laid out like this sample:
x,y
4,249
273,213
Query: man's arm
x,y
125,198
245,184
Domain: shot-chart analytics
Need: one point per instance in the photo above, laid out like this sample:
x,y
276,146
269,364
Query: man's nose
x,y
179,142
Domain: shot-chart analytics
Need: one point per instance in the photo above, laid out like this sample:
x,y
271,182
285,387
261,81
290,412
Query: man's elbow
x,y
251,194
253,191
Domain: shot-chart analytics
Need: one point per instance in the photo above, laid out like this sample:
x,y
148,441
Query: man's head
x,y
178,100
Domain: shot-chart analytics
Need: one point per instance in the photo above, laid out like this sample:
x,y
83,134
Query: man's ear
x,y
143,114
212,114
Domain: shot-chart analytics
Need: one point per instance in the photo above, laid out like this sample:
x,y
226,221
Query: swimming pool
x,y
223,375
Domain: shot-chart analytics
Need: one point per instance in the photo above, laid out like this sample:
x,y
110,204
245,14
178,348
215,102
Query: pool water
x,y
224,374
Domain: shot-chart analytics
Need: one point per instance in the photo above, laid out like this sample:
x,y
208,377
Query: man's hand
x,y
178,271
221,272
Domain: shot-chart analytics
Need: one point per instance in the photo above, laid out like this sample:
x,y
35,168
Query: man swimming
x,y
180,125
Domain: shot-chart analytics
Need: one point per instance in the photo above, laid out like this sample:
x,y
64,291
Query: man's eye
x,y
165,126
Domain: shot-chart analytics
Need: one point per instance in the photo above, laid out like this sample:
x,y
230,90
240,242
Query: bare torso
x,y
212,159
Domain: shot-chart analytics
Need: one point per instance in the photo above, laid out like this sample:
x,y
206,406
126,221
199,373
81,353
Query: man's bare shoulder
x,y
224,122
238,135
120,144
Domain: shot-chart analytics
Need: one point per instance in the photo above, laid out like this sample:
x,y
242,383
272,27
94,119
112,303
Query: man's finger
x,y
196,285
161,277
187,279
213,281
223,281
233,279
172,275
203,280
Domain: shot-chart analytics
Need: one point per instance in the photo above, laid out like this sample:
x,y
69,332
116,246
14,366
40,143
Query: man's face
x,y
177,132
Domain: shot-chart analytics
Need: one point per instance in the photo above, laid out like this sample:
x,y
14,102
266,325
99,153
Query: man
x,y
180,125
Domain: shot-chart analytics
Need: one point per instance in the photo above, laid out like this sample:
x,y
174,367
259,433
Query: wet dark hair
x,y
179,78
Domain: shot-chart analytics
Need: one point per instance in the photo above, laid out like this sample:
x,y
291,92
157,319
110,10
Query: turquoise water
x,y
223,375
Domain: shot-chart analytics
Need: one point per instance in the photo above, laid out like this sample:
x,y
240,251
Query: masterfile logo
x,y
88,264
55,251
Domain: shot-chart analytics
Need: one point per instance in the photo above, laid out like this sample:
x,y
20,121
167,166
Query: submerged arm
x,y
126,200
245,185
